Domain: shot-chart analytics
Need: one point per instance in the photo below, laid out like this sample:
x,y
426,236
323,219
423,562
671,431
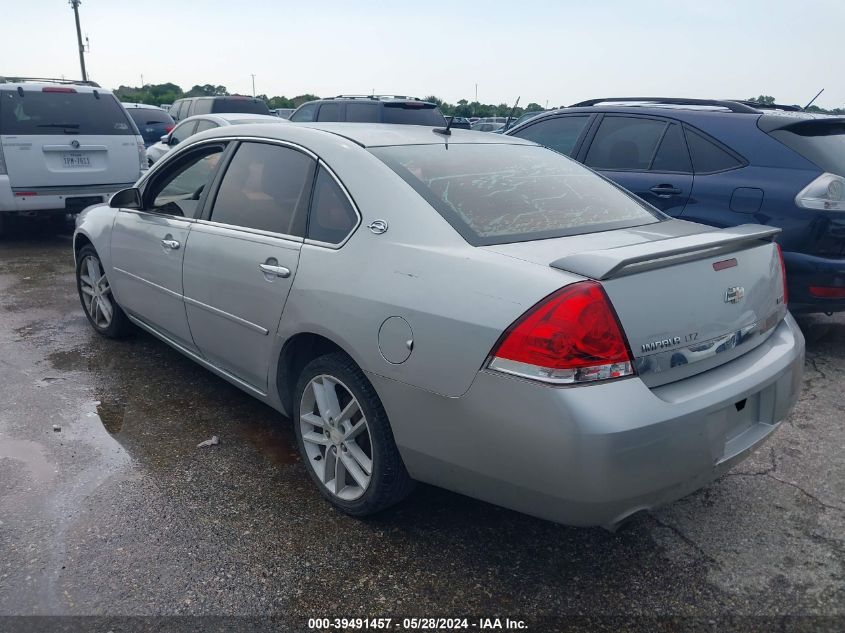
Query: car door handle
x,y
278,271
665,190
171,244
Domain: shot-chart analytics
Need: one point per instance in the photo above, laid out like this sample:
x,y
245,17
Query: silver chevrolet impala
x,y
468,310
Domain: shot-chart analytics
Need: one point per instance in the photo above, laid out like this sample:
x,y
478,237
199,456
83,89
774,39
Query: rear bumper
x,y
35,200
803,271
593,455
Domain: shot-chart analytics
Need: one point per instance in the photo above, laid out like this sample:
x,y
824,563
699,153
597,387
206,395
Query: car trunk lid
x,y
688,297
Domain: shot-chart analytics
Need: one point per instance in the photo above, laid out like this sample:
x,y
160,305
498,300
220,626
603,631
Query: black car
x,y
229,104
370,109
152,121
723,163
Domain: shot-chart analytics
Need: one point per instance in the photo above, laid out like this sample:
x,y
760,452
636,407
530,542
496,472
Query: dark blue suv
x,y
723,163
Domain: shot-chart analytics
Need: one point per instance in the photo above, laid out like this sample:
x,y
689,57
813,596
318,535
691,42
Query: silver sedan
x,y
463,309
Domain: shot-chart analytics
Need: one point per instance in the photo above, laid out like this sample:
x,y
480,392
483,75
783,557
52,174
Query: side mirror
x,y
165,139
126,199
172,141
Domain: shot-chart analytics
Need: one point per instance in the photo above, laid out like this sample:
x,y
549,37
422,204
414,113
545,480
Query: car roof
x,y
127,104
228,117
10,83
387,134
361,134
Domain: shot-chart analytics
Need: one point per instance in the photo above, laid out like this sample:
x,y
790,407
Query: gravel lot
x,y
119,512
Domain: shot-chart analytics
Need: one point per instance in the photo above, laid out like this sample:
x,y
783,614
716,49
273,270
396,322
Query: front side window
x,y
177,191
559,133
499,193
305,114
182,132
625,143
266,187
332,218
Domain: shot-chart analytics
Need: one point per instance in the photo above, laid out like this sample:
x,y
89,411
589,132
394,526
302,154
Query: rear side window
x,y
672,155
362,112
40,113
305,114
239,104
823,143
413,113
707,156
329,112
266,187
498,193
202,106
625,143
559,133
332,218
203,125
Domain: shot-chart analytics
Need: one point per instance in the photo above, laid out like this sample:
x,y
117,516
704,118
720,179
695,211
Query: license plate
x,y
76,160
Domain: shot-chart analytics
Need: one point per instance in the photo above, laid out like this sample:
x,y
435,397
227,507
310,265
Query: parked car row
x,y
723,163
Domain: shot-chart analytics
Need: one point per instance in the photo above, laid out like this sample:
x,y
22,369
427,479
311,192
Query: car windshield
x,y
240,104
500,193
62,112
820,142
149,116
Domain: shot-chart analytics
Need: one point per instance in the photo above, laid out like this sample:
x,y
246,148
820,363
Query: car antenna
x,y
813,99
510,116
445,131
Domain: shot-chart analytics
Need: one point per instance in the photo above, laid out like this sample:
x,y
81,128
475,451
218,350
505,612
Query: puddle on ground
x,y
111,414
32,456
275,441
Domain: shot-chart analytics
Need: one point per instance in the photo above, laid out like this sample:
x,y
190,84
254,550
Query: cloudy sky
x,y
555,51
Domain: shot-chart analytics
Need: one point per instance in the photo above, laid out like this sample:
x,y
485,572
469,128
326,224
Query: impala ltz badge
x,y
664,344
734,294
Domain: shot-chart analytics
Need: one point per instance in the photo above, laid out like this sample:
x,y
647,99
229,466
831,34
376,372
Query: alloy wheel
x,y
336,437
96,292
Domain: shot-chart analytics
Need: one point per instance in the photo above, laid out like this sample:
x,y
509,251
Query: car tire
x,y
319,437
103,312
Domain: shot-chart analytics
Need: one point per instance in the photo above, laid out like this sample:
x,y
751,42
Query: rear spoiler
x,y
626,260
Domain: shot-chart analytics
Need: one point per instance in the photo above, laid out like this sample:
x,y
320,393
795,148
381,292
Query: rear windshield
x,y
38,112
149,116
821,143
413,113
234,104
495,194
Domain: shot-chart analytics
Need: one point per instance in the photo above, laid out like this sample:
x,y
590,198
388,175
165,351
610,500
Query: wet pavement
x,y
120,513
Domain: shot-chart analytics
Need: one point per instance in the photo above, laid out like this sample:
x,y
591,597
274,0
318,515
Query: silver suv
x,y
63,146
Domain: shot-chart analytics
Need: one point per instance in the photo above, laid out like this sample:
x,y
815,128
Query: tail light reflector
x,y
827,292
783,275
168,128
56,89
572,336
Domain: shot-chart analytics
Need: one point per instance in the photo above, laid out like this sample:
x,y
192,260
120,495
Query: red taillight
x,y
168,128
828,292
783,274
571,336
54,89
24,194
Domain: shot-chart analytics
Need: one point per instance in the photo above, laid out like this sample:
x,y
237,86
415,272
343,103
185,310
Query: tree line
x,y
157,94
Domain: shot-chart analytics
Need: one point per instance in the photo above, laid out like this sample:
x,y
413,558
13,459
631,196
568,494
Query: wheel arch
x,y
299,350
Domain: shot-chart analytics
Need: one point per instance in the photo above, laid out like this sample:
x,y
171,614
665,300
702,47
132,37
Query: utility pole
x,y
75,4
253,86
476,93
142,80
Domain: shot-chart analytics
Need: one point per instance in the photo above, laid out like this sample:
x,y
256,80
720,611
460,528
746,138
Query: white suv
x,y
63,147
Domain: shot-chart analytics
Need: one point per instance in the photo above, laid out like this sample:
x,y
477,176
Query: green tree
x,y
764,99
533,107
